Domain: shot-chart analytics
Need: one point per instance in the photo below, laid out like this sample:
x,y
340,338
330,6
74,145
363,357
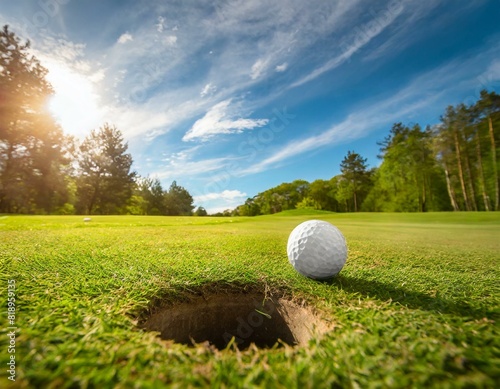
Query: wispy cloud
x,y
220,120
161,24
182,166
150,121
208,89
124,38
258,68
404,33
491,76
351,45
66,50
282,67
170,40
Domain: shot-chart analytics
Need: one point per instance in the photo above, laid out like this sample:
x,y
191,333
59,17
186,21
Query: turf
x,y
417,303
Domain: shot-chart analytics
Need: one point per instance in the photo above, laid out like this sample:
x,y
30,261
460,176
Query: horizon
x,y
232,99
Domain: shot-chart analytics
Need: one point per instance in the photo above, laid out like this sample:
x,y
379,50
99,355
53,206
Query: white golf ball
x,y
317,249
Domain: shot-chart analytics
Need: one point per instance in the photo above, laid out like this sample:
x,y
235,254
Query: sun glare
x,y
74,104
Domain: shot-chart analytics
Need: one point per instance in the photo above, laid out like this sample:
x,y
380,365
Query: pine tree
x,y
178,201
354,171
105,181
488,108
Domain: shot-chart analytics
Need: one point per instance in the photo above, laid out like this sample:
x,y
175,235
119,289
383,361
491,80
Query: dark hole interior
x,y
249,318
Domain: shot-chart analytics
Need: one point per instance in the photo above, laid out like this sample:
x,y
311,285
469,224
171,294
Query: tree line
x,y
452,166
44,171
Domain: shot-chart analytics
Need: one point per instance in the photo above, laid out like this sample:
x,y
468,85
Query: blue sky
x,y
230,98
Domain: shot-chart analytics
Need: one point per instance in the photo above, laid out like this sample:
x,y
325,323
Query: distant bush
x,y
65,209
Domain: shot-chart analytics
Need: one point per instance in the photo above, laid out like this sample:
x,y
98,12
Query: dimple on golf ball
x,y
317,249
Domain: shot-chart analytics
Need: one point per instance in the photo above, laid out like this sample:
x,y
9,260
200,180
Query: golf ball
x,y
317,249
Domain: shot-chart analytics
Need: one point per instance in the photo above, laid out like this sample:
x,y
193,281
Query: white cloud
x,y
220,201
219,120
208,89
258,68
124,38
181,157
282,67
183,166
151,120
160,25
491,75
67,51
170,40
224,195
135,122
97,76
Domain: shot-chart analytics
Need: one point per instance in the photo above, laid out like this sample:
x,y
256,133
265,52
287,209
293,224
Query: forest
x,y
451,166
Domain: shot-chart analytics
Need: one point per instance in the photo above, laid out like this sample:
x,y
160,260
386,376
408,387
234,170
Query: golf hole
x,y
236,318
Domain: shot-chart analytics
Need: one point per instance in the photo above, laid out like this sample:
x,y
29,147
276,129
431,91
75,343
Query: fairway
x,y
417,303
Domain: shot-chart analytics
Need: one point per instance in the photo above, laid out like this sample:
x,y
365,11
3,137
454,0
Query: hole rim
x,y
294,321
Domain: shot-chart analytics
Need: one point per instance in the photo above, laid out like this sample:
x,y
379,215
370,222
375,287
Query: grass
x,y
417,303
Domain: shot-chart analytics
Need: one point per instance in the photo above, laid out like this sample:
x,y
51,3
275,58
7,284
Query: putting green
x,y
415,305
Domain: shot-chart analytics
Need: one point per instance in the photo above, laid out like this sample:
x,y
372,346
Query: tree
x,y
105,181
136,205
466,142
250,208
282,197
445,145
323,193
308,203
457,140
154,200
421,163
178,201
474,113
33,149
355,176
153,194
409,179
488,108
200,211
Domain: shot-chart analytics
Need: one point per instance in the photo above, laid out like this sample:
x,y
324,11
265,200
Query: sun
x,y
75,104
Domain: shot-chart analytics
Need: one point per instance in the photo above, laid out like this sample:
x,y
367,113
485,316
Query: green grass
x,y
417,303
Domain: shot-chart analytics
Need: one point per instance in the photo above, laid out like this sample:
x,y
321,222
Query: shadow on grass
x,y
409,298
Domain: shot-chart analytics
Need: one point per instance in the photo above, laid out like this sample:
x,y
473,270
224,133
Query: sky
x,y
230,98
